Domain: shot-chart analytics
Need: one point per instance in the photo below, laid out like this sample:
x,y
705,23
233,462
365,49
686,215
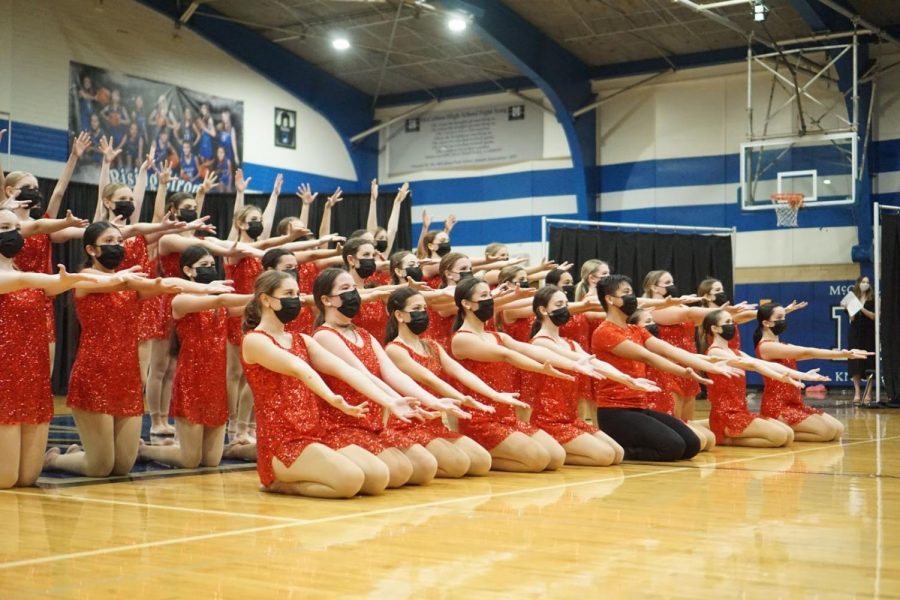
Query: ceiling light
x,y
457,23
826,181
759,10
340,43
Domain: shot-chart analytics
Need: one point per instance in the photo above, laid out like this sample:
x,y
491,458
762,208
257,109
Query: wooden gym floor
x,y
805,522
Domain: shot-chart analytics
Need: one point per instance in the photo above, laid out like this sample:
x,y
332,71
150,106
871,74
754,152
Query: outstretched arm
x,y
304,192
82,143
325,225
394,219
268,216
372,219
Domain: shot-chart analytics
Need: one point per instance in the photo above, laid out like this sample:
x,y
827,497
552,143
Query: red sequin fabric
x,y
287,412
199,388
490,430
106,375
244,275
418,432
25,395
781,400
373,318
680,336
728,414
554,403
36,257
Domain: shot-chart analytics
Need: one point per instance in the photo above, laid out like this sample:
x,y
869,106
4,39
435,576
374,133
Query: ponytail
x,y
322,287
462,292
396,301
541,300
266,283
252,315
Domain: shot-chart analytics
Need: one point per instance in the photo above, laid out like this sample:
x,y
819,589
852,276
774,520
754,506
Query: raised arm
x,y
268,216
304,192
82,143
140,184
394,220
164,175
209,181
325,225
372,219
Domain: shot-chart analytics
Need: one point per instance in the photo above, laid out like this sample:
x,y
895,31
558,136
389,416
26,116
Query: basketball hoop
x,y
786,208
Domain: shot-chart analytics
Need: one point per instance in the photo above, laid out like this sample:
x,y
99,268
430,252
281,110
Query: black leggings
x,y
649,435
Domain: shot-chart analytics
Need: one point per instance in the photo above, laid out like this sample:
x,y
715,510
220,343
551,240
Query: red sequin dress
x,y
306,277
36,256
579,329
106,375
417,432
490,430
244,275
519,330
199,388
287,412
781,400
728,414
735,342
373,318
380,278
137,254
434,282
554,403
680,336
25,395
168,267
339,429
440,329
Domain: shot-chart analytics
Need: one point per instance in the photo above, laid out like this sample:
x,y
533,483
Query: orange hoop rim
x,y
792,199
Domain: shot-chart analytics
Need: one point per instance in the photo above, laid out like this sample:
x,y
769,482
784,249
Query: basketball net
x,y
786,208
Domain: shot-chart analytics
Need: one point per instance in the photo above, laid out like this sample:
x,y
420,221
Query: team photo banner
x,y
194,132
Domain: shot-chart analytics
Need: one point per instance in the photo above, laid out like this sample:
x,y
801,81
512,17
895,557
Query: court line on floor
x,y
390,510
207,511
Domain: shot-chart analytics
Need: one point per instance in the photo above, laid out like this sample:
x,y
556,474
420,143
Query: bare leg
x,y
452,461
706,436
761,433
166,398
98,457
687,406
156,374
10,449
398,465
240,451
213,444
187,453
587,450
244,412
127,434
375,472
319,472
234,372
618,449
479,458
557,453
856,392
31,454
521,454
52,356
424,464
818,428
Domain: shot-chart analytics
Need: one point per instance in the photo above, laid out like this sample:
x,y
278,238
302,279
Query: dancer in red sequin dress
x,y
199,395
291,456
105,383
729,418
496,358
26,401
782,401
338,302
359,261
433,368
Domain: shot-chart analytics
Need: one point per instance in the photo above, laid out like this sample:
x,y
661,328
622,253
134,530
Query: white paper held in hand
x,y
852,304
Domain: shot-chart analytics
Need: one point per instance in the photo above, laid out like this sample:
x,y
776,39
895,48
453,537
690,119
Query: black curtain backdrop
x,y
689,258
890,303
346,216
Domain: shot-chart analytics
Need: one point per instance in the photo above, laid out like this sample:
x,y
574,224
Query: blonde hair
x,y
704,288
241,215
493,248
650,280
14,177
509,273
109,191
588,267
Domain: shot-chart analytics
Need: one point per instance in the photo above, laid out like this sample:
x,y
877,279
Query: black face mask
x,y
721,298
443,249
414,273
111,255
381,245
293,273
366,267
350,303
124,209
779,326
11,243
522,284
653,328
569,291
418,321
33,195
290,309
206,274
728,331
485,310
254,229
465,275
560,316
187,215
672,291
629,304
